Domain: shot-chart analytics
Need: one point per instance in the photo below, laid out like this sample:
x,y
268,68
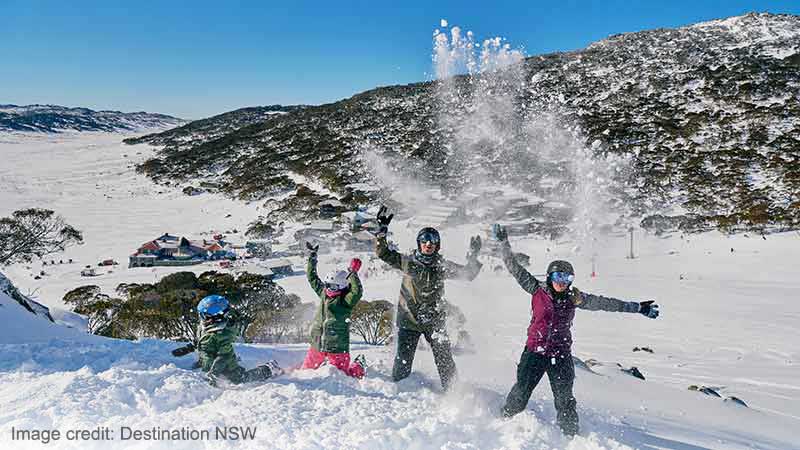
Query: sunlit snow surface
x,y
729,320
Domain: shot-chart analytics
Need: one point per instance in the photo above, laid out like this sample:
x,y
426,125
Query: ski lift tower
x,y
631,255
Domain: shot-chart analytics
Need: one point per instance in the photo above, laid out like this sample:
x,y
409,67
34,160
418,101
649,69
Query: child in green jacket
x,y
215,347
330,332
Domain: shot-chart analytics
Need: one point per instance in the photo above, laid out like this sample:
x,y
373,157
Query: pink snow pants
x,y
341,361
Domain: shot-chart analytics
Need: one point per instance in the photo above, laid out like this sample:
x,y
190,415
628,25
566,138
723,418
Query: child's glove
x,y
649,309
355,264
312,249
474,247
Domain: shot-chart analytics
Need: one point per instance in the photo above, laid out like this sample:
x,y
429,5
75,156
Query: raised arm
x,y
462,272
389,256
311,273
473,267
526,281
386,254
356,290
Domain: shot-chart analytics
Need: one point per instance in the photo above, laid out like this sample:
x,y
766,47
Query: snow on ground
x,y
20,326
89,179
729,320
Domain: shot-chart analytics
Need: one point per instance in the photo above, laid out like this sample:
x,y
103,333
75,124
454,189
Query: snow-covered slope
x,y
729,314
716,330
22,326
54,118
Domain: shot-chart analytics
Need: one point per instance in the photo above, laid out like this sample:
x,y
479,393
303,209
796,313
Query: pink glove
x,y
355,264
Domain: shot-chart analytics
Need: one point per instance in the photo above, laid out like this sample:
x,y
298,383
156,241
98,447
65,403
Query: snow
x,y
21,326
89,179
781,53
727,321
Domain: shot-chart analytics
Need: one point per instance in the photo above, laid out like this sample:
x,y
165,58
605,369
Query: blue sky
x,y
198,58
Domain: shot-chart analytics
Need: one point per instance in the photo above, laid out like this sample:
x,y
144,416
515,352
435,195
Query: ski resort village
x,y
427,237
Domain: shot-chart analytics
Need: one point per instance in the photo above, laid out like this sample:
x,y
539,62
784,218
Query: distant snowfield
x,y
729,320
89,179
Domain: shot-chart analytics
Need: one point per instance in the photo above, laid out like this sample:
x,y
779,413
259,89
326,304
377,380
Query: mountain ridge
x,y
708,115
56,118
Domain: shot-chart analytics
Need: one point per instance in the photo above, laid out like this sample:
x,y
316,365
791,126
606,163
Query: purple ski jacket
x,y
549,332
552,315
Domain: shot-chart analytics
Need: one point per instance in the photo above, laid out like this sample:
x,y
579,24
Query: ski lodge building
x,y
168,250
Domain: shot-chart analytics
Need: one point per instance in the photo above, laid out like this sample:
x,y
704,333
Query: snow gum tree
x,y
167,309
100,310
32,233
373,321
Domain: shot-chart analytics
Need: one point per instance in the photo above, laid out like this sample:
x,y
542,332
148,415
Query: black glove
x,y
500,232
183,351
474,246
312,248
649,309
383,219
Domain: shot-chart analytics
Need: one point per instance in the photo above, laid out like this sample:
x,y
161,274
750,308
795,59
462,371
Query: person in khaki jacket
x,y
421,310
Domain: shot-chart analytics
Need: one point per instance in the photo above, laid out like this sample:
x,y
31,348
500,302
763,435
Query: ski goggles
x,y
562,277
213,318
428,237
333,291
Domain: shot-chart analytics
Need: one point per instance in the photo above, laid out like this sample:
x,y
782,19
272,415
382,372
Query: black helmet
x,y
429,234
560,272
560,266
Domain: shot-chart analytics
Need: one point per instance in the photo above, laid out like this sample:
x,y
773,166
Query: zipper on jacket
x,y
324,320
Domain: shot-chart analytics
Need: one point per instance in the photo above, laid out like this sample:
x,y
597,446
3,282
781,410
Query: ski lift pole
x,y
631,256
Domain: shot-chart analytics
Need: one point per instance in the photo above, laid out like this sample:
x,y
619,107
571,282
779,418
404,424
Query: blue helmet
x,y
214,308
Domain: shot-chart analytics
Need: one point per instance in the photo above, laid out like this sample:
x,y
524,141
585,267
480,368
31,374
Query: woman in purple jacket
x,y
549,345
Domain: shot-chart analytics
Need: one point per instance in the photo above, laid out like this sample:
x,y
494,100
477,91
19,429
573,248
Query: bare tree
x,y
372,321
34,232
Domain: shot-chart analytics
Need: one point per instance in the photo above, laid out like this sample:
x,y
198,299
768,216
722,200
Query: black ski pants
x,y
561,372
407,341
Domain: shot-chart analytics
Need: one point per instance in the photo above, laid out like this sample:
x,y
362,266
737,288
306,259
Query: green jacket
x,y
422,306
330,331
217,356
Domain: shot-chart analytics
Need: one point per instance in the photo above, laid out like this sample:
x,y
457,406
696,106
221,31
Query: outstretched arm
x,y
594,302
526,281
